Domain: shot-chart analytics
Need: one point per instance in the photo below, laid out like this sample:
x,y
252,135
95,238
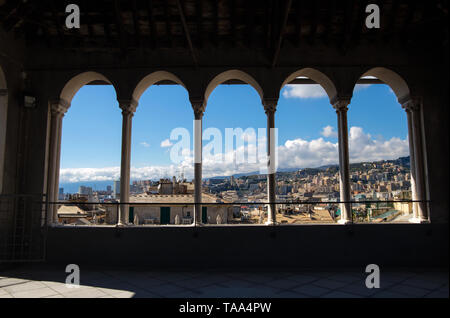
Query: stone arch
x,y
78,81
391,78
3,123
58,110
152,79
318,77
232,75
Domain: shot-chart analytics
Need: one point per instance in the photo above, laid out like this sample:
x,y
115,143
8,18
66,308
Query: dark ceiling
x,y
248,24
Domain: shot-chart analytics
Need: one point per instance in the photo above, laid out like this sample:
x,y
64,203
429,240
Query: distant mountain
x,y
402,161
246,174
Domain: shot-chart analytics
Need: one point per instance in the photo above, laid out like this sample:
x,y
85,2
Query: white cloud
x,y
297,153
360,87
145,144
304,91
313,90
249,136
363,147
166,143
328,131
89,174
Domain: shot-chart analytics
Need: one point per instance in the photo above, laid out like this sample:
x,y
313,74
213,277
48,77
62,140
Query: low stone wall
x,y
252,247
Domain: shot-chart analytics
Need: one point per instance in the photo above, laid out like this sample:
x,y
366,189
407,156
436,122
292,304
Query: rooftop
x,y
172,198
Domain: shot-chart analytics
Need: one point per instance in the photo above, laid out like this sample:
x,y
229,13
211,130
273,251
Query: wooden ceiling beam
x,y
298,22
199,18
393,17
329,22
168,23
88,17
409,17
250,26
216,23
345,35
152,25
137,29
285,16
186,32
315,5
106,27
233,22
120,27
57,21
269,25
360,21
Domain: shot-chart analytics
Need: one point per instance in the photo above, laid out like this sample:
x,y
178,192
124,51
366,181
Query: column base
x,y
271,223
418,221
344,222
120,224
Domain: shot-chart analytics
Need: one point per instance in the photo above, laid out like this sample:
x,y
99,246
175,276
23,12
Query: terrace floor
x,y
37,281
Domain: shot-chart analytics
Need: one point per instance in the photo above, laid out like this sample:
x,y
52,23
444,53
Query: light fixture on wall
x,y
29,101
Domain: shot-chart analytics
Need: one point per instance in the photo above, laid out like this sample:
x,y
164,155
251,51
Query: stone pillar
x,y
128,108
3,117
341,107
412,107
270,106
199,109
412,161
58,110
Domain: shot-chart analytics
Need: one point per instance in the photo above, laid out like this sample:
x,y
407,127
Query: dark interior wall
x,y
38,128
435,122
296,246
12,58
250,248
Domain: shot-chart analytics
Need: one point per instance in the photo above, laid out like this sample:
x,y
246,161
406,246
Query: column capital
x,y
59,107
270,104
341,104
198,105
128,106
412,104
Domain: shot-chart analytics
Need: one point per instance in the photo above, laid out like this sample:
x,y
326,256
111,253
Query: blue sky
x,y
376,121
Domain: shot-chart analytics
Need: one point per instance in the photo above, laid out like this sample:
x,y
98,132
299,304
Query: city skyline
x,y
101,186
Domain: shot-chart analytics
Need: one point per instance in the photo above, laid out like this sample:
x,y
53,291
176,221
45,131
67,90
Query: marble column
x,y
412,108
58,110
270,106
128,108
412,161
199,109
341,107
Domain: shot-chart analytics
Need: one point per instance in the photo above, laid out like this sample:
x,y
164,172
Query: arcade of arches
x,y
267,46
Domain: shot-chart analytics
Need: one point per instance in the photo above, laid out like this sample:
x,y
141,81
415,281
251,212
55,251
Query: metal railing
x,y
234,213
23,218
23,227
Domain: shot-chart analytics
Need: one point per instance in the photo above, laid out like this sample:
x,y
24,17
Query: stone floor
x,y
37,282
